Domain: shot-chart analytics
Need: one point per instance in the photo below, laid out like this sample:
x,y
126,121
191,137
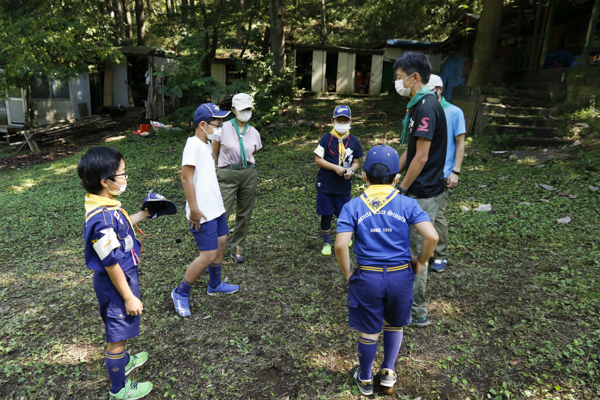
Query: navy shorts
x,y
207,237
118,325
330,204
375,296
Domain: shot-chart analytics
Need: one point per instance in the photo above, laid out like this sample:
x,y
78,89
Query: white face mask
x,y
341,128
215,135
403,91
244,116
121,188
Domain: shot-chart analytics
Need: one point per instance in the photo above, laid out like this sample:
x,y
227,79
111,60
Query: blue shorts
x,y
118,325
375,296
330,204
207,237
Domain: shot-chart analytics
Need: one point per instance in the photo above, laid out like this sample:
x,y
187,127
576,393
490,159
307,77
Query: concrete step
x,y
529,120
543,142
518,101
535,131
523,93
513,110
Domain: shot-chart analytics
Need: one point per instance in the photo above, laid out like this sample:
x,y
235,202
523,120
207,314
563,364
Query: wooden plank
x,y
108,87
469,108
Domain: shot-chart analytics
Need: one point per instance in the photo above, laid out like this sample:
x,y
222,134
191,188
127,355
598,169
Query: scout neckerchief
x,y
377,196
94,205
341,147
410,105
241,137
445,103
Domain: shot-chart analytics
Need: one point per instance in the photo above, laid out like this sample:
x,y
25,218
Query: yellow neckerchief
x,y
94,205
377,196
341,147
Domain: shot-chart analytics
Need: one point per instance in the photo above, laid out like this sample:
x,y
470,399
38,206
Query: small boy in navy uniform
x,y
112,251
338,156
380,290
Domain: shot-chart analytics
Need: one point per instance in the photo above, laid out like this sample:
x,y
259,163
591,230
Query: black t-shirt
x,y
327,180
427,120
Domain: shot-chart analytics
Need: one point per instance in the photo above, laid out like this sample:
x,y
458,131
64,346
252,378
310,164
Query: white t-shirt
x,y
208,196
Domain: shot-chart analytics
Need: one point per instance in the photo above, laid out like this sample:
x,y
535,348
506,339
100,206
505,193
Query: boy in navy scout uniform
x,y
380,290
112,251
338,156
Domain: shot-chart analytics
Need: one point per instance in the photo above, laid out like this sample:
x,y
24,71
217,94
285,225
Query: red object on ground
x,y
144,128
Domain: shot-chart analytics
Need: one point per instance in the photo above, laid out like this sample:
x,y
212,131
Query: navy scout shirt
x,y
327,180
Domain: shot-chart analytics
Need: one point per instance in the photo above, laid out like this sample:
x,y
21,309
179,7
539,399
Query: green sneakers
x,y
326,251
132,390
135,361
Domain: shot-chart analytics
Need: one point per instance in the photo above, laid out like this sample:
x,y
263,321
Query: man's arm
x,y
216,146
431,237
459,155
417,163
187,180
338,169
342,252
133,305
403,162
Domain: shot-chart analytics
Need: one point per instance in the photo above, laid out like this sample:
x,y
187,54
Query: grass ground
x,y
515,315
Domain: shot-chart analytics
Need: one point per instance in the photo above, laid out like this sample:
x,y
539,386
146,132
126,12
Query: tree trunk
x,y
277,35
238,28
173,7
119,17
206,59
140,21
485,41
192,7
184,11
127,9
101,7
167,7
323,23
266,41
150,9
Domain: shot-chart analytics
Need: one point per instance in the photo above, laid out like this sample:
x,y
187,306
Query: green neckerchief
x,y
241,136
410,105
445,103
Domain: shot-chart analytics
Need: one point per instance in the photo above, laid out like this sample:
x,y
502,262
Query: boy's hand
x,y
416,265
348,174
195,217
340,170
133,306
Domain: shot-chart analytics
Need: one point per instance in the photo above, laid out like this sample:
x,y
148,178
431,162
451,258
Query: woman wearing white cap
x,y
236,169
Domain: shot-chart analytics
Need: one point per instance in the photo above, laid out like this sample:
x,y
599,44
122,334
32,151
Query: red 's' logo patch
x,y
424,125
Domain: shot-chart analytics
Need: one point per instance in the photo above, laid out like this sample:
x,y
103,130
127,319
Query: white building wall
x,y
318,71
376,74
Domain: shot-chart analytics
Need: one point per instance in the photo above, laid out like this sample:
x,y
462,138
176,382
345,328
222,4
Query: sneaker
x,y
182,303
439,265
132,390
326,251
421,323
387,379
135,361
365,387
222,288
238,259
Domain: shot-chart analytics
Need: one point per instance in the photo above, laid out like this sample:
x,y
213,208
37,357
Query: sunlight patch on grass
x,y
114,139
26,184
448,309
61,168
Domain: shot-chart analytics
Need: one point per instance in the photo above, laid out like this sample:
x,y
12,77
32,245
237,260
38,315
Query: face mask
x,y
244,116
215,135
402,91
341,128
121,188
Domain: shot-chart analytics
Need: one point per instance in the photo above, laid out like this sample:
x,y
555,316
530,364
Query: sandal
x,y
238,259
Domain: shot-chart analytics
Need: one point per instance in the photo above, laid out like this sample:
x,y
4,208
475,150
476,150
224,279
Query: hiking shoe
x,y
326,250
387,379
135,361
439,265
238,259
365,387
222,288
421,323
132,390
182,303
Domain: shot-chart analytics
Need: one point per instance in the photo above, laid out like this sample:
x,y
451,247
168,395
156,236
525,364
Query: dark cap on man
x,y
385,155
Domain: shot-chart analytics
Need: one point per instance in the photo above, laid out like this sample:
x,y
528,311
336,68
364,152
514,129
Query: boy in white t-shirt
x,y
204,208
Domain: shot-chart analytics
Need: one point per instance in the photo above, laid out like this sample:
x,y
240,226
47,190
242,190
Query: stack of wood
x,y
59,132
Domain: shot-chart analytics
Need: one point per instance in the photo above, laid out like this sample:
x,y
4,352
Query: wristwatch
x,y
403,191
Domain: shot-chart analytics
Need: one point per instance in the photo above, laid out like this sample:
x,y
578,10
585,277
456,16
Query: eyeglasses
x,y
124,175
216,126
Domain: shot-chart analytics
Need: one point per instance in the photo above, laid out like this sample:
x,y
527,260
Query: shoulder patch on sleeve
x,y
320,151
107,243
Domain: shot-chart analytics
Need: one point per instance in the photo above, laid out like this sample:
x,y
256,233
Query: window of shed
x,y
43,89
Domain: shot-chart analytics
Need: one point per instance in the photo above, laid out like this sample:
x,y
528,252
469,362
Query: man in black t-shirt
x,y
425,124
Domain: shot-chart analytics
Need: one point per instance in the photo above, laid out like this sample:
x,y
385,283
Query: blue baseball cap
x,y
385,155
342,111
208,110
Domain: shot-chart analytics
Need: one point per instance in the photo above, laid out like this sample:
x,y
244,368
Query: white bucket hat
x,y
242,101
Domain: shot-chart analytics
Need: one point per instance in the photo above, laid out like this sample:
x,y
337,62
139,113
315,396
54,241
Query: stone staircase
x,y
528,117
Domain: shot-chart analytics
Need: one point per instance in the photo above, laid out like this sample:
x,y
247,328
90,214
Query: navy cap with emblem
x,y
208,110
385,155
342,111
